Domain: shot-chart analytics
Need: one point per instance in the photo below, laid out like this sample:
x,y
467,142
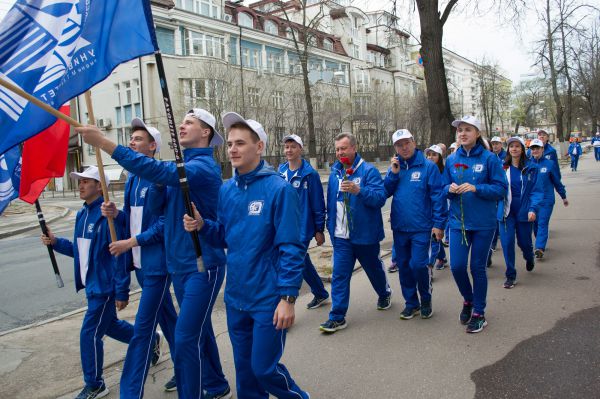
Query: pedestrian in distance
x,y
549,151
419,213
307,182
144,251
596,146
519,209
104,278
475,182
574,152
437,258
550,181
258,222
498,150
198,369
355,195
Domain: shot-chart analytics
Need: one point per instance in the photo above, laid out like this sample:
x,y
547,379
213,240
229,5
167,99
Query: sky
x,y
471,36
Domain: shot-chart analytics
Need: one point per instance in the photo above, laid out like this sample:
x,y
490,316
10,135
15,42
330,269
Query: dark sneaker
x,y
157,350
315,303
93,393
409,313
426,310
384,303
465,313
539,253
476,324
489,260
331,326
226,394
171,386
440,264
530,265
445,243
393,268
509,283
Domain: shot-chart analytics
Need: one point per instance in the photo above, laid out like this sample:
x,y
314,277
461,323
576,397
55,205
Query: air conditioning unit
x,y
103,123
227,17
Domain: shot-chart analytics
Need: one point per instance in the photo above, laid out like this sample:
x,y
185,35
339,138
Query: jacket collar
x,y
96,203
304,170
475,151
263,169
417,159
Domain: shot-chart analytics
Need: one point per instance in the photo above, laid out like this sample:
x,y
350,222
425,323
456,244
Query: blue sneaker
x,y
157,350
408,313
331,326
476,324
171,386
226,394
426,310
465,313
93,393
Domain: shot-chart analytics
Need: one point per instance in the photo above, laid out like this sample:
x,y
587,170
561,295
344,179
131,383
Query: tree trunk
x,y
312,140
554,77
569,108
438,101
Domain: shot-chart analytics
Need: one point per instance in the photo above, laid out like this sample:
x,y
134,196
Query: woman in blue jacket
x,y
574,152
475,182
519,209
437,256
550,181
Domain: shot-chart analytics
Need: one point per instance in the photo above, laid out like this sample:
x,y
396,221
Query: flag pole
x,y
179,161
92,121
42,221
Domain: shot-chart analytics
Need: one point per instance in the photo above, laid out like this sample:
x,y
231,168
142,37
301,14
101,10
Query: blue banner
x,y
10,176
57,50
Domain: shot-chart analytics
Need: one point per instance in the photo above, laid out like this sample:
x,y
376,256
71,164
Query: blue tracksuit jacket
x,y
258,222
307,183
419,203
532,194
549,180
204,177
486,174
366,224
106,275
501,155
575,146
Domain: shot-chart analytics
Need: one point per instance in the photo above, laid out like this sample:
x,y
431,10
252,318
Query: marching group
x,y
258,226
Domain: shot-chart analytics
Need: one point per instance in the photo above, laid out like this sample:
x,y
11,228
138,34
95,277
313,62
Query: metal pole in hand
x,y
40,215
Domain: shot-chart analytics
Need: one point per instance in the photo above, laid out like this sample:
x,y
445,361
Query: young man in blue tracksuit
x,y
475,182
419,213
104,277
258,222
198,370
355,195
574,152
549,151
498,150
145,253
307,183
550,181
519,209
596,145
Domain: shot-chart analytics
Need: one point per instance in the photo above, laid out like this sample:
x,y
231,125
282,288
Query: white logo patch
x,y
478,168
547,157
90,228
296,184
306,185
255,208
544,170
415,176
356,181
143,192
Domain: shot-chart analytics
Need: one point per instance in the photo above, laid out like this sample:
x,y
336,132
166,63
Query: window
x,y
328,44
129,107
251,57
209,8
206,45
271,27
277,99
275,62
356,51
253,96
361,105
203,92
245,20
166,40
362,83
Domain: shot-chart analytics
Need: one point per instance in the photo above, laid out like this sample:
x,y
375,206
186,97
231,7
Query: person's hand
x,y
531,217
284,315
453,187
465,188
193,224
109,210
350,187
566,202
91,135
320,238
116,248
438,233
121,305
49,239
395,165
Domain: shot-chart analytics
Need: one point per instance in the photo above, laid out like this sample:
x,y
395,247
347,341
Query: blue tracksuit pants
x,y
574,161
257,349
310,275
541,226
345,255
197,361
412,258
508,230
100,319
155,307
597,153
478,245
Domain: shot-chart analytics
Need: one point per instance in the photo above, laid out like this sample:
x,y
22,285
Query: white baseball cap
x,y
536,142
137,123
542,131
469,119
293,137
454,145
513,139
231,118
401,134
210,120
91,172
496,139
435,148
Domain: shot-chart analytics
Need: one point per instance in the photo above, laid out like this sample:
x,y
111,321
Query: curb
x,y
32,226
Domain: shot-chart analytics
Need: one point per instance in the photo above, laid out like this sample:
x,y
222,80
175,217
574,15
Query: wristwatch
x,y
289,299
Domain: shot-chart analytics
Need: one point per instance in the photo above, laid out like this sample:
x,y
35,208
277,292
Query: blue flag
x,y
57,50
10,176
